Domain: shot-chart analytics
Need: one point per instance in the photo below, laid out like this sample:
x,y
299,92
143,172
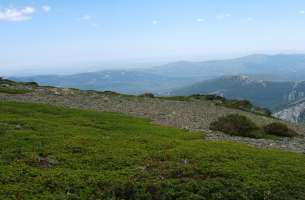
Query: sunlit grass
x,y
48,152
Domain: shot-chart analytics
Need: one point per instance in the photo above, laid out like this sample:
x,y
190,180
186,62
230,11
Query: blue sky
x,y
58,33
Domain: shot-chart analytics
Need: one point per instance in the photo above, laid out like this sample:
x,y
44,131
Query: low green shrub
x,y
235,124
13,91
279,129
148,95
263,111
240,104
3,128
209,97
5,81
107,92
244,105
239,125
33,84
176,98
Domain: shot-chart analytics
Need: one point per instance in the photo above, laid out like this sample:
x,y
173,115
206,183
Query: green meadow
x,y
54,153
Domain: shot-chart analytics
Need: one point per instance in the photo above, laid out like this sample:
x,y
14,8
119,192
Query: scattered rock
x,y
193,115
43,162
67,91
54,91
77,150
148,95
18,126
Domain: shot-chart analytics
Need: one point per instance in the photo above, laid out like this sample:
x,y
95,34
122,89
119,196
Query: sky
x,y
56,34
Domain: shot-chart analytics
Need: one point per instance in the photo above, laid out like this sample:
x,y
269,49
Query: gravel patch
x,y
193,115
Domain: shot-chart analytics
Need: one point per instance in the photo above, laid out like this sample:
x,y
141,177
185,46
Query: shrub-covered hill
x,y
49,152
195,112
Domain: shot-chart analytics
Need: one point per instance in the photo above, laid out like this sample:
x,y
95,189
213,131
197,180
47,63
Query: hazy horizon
x,y
76,68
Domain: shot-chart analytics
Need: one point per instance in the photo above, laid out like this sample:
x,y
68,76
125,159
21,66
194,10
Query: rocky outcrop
x,y
293,113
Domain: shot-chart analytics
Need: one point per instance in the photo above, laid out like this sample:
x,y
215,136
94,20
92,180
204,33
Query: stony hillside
x,y
190,115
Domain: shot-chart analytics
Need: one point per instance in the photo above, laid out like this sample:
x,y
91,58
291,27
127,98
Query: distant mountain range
x,y
269,94
123,81
164,78
268,67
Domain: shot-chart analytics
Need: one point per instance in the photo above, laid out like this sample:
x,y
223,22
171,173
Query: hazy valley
x,y
273,82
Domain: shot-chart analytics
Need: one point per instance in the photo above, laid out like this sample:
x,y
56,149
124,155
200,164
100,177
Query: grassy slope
x,y
55,153
13,91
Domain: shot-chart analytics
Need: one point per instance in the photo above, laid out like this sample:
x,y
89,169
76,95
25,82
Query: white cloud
x,y
248,19
28,10
86,17
95,25
16,14
90,20
155,22
46,8
200,20
223,16
302,12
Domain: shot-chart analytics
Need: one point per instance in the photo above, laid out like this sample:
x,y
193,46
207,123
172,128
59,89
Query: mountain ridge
x,y
269,94
281,67
251,64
